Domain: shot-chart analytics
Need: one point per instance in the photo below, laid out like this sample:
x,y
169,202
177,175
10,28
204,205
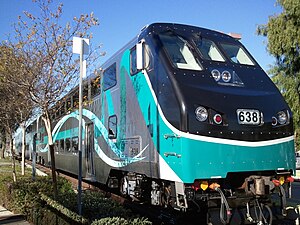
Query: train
x,y
183,118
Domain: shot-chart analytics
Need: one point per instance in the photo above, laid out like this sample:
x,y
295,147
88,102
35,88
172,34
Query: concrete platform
x,y
7,217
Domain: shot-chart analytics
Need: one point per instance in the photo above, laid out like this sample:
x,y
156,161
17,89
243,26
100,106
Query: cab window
x,y
237,54
209,50
179,52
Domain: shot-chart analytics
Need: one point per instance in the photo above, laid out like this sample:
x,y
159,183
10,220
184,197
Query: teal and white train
x,y
181,117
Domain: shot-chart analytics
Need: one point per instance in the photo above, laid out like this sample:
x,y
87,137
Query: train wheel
x,y
166,197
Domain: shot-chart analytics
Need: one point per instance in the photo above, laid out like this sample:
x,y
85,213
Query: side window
x,y
75,101
109,77
62,145
63,108
95,86
112,127
69,104
148,58
56,146
68,145
85,95
133,69
74,145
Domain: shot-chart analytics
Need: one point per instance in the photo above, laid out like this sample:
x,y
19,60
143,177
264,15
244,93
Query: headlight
x,y
274,121
226,76
216,75
282,117
201,114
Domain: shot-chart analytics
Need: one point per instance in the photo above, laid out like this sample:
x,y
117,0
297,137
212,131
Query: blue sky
x,y
121,20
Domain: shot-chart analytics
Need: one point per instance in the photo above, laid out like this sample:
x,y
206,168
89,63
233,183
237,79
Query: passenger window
x,y
56,145
95,85
68,104
68,145
109,77
112,127
75,101
63,109
62,145
85,94
74,144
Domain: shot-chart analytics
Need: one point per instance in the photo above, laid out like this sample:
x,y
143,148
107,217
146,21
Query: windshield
x,y
209,50
179,52
236,54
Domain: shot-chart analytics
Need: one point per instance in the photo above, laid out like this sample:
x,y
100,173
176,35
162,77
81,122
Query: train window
x,y
133,69
237,54
85,95
75,101
68,145
112,127
95,86
56,145
62,145
62,108
209,50
109,77
148,59
69,104
179,52
74,144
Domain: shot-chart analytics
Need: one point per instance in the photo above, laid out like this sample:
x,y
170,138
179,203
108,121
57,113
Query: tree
x,y
283,34
45,50
15,94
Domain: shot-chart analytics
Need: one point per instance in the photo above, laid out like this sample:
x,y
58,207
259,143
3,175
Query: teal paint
x,y
110,105
204,160
144,98
67,133
124,68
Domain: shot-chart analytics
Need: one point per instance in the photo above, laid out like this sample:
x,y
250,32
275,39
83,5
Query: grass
x,y
6,167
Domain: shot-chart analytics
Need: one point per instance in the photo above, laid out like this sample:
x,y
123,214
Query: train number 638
x,y
249,116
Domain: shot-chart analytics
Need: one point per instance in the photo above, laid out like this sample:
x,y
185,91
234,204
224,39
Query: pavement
x,y
7,217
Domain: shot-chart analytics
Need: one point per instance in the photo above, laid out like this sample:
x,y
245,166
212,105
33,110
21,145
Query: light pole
x,y
80,46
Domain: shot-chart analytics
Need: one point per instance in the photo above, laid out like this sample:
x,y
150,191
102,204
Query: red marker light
x,y
276,182
290,179
196,185
218,119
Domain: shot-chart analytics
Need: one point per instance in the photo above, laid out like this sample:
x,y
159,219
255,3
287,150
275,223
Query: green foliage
x,y
63,210
283,33
95,206
34,200
288,85
122,221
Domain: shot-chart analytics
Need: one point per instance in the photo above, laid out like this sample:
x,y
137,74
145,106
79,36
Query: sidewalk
x,y
7,217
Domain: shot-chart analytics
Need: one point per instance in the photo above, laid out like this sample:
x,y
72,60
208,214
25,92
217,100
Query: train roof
x,y
184,28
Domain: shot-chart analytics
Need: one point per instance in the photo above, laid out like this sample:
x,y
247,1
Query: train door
x,y
89,150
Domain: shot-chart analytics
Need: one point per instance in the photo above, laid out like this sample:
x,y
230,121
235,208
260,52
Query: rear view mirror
x,y
139,56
